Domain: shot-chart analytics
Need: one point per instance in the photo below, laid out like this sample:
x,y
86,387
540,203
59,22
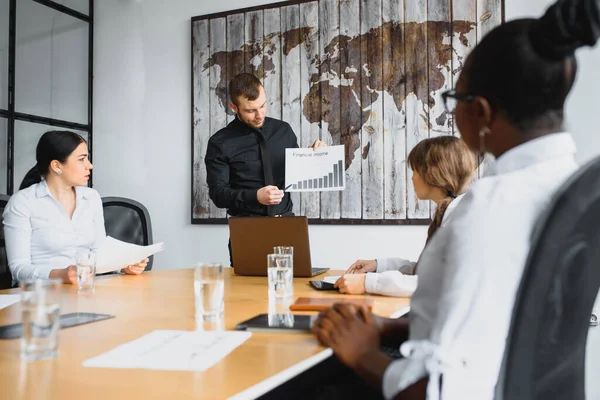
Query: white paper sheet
x,y
115,254
332,278
321,170
172,350
8,300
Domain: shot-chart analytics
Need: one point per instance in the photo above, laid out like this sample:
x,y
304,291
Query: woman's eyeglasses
x,y
451,99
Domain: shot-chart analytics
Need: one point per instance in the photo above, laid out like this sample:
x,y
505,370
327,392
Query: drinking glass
x,y
40,307
85,261
209,291
280,276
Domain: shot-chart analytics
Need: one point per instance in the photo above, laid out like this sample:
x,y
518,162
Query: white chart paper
x,y
172,350
115,254
321,170
7,300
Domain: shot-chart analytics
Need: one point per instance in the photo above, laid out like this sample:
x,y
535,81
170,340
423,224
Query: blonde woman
x,y
442,168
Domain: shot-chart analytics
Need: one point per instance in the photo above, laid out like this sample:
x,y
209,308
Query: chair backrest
x,y
5,275
129,221
545,348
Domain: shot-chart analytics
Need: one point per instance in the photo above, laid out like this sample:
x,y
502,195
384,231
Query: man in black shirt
x,y
245,161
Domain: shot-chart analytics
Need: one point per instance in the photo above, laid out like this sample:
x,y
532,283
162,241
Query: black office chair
x,y
129,221
545,351
5,275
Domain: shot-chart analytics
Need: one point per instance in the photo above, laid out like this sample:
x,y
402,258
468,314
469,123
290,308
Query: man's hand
x,y
352,284
269,195
349,330
362,267
317,144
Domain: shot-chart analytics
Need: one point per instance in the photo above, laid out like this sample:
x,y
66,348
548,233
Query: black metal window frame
x,y
13,116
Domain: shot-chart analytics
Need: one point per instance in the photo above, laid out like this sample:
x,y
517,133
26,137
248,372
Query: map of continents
x,y
317,103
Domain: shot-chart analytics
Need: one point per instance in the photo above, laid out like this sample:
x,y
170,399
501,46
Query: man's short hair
x,y
246,85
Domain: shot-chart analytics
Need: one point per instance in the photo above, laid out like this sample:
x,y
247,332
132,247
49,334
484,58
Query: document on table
x,y
8,300
320,170
172,350
115,254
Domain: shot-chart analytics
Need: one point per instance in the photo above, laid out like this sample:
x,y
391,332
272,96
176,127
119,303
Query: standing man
x,y
245,161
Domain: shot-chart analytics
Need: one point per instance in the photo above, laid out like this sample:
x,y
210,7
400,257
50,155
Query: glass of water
x,y
40,307
281,276
284,250
209,291
279,312
86,271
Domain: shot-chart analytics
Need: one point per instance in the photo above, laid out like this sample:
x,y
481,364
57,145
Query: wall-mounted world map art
x,y
366,74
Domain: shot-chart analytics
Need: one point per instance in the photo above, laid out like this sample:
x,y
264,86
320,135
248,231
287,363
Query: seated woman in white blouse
x,y
442,168
55,213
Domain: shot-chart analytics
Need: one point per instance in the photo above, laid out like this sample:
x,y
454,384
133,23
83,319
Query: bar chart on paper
x,y
308,170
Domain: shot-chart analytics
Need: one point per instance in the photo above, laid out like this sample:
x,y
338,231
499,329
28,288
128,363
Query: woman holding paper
x,y
54,212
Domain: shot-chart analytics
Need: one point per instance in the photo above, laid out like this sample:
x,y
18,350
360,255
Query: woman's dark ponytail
x,y
32,177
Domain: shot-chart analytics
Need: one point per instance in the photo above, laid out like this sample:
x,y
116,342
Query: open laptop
x,y
252,238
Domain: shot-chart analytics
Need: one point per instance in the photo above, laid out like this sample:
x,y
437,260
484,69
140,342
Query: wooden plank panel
x,y
254,43
201,117
329,23
235,50
464,38
290,77
218,82
310,204
439,48
489,15
417,117
351,118
272,61
372,130
394,114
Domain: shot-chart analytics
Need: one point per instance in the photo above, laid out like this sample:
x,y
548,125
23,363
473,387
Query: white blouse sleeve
x,y
396,264
17,236
391,283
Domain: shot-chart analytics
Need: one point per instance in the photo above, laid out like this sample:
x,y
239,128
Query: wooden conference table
x,y
161,300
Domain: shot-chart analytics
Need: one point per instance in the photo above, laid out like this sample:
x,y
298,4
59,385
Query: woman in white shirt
x,y
509,101
55,213
442,168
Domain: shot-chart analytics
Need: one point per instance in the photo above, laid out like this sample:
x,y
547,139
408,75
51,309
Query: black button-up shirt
x,y
234,170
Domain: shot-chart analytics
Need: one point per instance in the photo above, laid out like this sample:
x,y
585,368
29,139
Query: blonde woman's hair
x,y
444,162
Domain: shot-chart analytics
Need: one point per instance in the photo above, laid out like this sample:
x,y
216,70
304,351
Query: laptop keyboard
x,y
317,271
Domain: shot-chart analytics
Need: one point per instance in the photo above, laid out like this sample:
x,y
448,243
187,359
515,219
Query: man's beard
x,y
253,124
